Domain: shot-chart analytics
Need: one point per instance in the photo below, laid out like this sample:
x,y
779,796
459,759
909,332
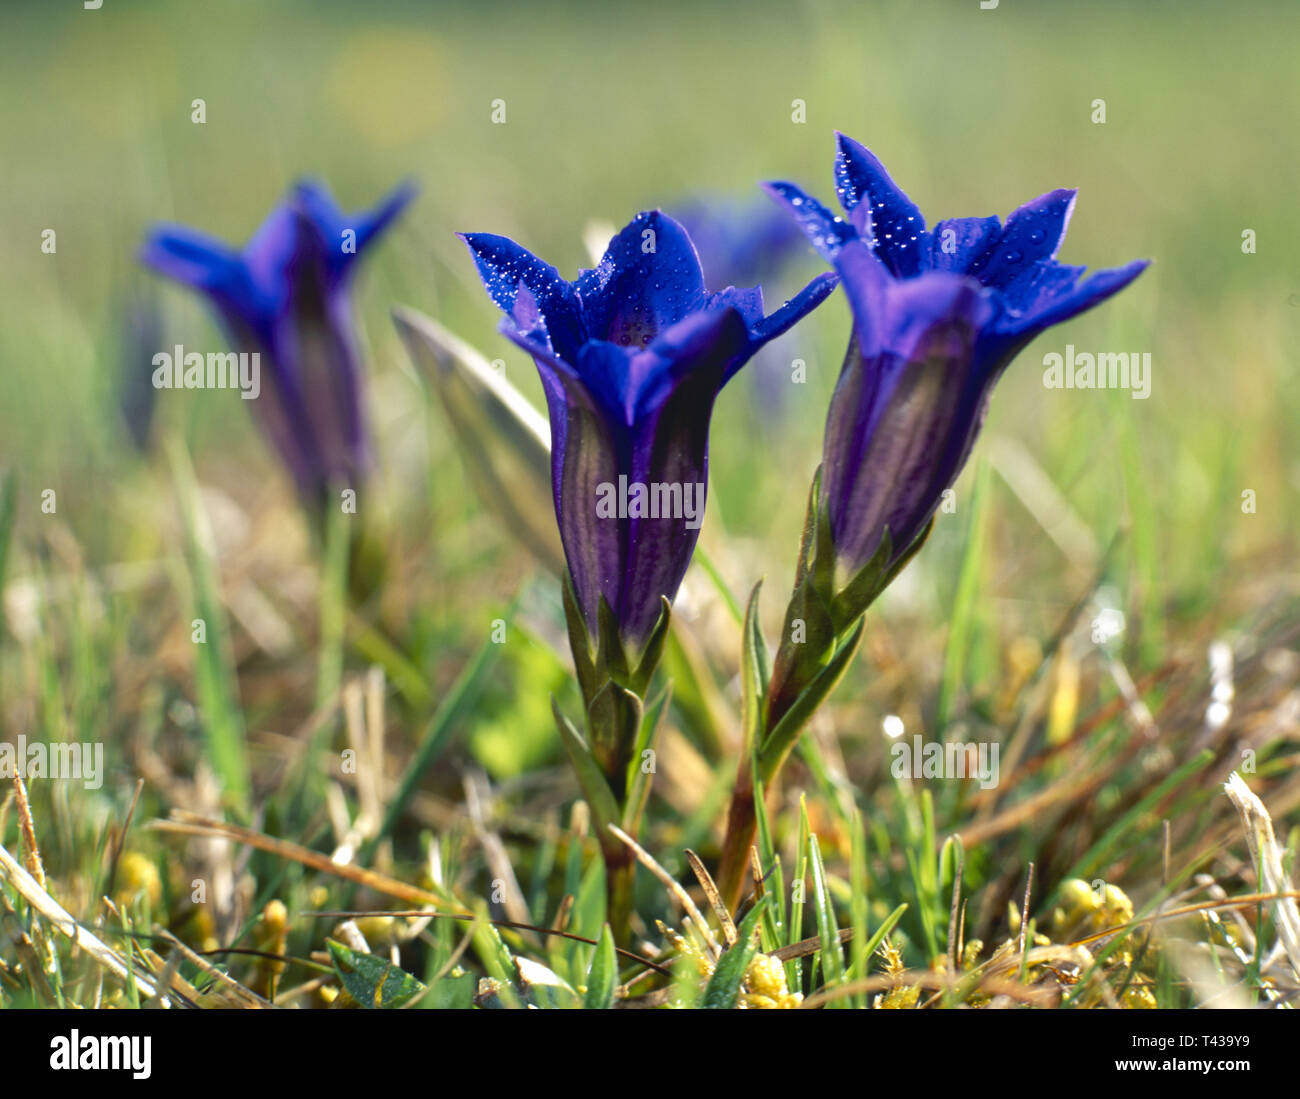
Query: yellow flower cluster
x,y
764,986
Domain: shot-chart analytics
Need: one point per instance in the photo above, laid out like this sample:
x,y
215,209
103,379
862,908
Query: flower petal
x,y
1050,309
270,251
901,416
587,451
877,207
648,279
314,200
1034,232
670,455
714,341
550,311
956,243
827,231
793,311
191,257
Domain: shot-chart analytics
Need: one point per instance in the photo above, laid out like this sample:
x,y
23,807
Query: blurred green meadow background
x,y
608,112
611,109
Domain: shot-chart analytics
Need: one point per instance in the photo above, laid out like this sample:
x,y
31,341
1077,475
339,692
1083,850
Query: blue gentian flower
x,y
632,356
286,295
937,316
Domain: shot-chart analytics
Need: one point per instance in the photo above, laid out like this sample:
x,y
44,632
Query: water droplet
x,y
1013,256
1037,236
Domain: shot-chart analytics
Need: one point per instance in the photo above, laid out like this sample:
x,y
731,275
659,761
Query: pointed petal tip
x,y
846,145
656,219
827,231
793,197
479,243
400,197
780,189
310,185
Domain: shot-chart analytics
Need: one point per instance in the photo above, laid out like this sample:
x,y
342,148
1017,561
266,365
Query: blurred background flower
x,y
286,297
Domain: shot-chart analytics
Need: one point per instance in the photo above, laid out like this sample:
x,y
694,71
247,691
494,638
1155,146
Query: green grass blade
x,y
603,974
832,953
961,623
723,989
216,684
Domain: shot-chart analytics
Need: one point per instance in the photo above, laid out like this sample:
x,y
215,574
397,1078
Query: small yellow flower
x,y
137,877
379,931
898,999
272,935
1139,997
765,985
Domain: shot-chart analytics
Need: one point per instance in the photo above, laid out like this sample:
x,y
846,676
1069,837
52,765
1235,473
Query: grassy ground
x,y
1077,505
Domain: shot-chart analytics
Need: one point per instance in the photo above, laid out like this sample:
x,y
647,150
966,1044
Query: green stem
x,y
742,827
620,881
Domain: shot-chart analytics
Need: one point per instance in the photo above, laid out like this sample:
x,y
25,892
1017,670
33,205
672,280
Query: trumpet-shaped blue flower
x,y
286,296
632,356
937,315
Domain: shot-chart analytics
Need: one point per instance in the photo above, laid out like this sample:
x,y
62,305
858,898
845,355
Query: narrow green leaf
x,y
639,778
603,975
961,626
859,593
774,918
705,562
332,601
611,655
579,639
216,684
859,888
723,989
884,929
832,953
950,857
595,789
808,537
753,674
823,563
654,649
781,739
504,442
614,723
